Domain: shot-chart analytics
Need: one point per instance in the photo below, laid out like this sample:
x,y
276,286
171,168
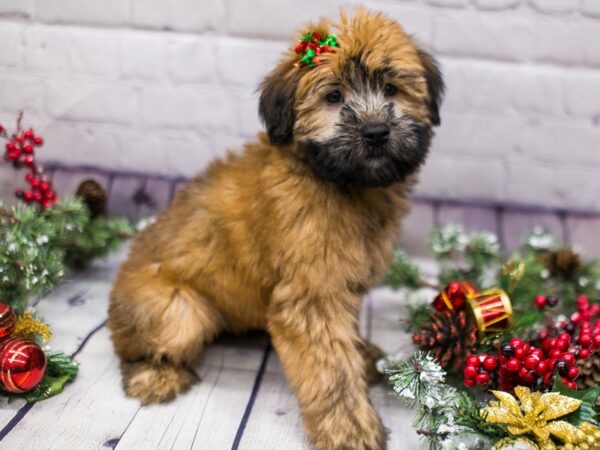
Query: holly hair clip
x,y
311,45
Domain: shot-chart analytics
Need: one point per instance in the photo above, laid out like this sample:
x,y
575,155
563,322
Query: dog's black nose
x,y
375,133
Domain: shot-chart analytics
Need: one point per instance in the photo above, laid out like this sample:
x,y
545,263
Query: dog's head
x,y
363,116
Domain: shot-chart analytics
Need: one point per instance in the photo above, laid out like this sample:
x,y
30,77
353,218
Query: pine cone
x,y
562,262
93,196
589,372
449,336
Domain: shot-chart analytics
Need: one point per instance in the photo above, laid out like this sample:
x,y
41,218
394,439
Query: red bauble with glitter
x,y
454,295
22,365
8,320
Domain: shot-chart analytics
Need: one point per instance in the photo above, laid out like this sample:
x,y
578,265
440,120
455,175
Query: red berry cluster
x,y
541,301
537,362
20,151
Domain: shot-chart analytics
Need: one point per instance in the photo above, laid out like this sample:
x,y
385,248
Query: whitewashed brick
x,y
551,185
186,153
581,94
554,6
191,59
205,109
11,47
590,35
497,5
92,12
461,177
143,55
21,9
178,15
247,63
81,143
252,18
246,120
483,36
590,8
74,51
21,93
561,42
448,3
90,102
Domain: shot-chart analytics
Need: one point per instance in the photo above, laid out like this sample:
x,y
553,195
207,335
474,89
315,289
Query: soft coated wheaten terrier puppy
x,y
289,235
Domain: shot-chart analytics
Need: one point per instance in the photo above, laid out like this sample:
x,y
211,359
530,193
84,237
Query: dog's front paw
x,y
155,383
352,431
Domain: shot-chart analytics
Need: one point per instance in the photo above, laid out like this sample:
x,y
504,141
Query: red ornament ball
x,y
22,365
540,301
8,320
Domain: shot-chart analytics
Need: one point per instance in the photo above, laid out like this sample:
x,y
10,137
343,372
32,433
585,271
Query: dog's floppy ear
x,y
435,85
277,100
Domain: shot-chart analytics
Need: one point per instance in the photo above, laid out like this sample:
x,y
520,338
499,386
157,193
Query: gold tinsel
x,y
535,416
28,327
519,443
514,271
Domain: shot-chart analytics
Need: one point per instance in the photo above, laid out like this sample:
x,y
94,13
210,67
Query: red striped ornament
x,y
8,320
22,365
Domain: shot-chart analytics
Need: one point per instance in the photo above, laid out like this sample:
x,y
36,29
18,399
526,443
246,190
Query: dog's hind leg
x,y
158,329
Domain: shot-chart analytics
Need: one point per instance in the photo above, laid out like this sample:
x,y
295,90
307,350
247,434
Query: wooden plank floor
x,y
243,402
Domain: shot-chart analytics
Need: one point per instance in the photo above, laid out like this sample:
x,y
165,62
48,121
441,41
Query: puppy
x,y
289,235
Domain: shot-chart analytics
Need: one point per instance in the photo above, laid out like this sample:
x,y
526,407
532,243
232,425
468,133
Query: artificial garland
x,y
40,239
523,324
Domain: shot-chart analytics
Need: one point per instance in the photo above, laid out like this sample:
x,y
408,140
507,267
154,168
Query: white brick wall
x,y
167,86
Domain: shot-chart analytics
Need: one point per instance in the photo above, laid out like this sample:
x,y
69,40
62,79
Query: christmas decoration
x,y
28,327
311,46
8,320
492,311
22,365
20,151
454,295
450,336
510,443
589,371
93,196
535,414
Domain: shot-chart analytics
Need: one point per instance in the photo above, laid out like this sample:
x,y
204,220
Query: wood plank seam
x,y
22,412
252,399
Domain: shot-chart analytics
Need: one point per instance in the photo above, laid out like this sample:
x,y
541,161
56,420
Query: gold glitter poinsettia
x,y
535,415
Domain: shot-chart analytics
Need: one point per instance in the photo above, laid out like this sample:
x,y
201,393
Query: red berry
x,y
576,318
28,196
566,336
572,373
29,161
28,134
44,186
537,352
582,302
584,353
516,342
562,344
543,334
555,353
513,365
20,139
596,340
46,204
490,363
10,146
520,352
37,196
35,183
570,384
541,368
38,140
470,371
483,378
50,195
540,301
531,361
526,348
28,148
473,360
548,344
469,382
585,339
569,358
523,372
13,155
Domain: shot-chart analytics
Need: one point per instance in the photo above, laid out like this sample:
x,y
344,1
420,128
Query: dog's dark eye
x,y
334,97
389,90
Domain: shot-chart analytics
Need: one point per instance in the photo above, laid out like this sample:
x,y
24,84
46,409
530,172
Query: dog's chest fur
x,y
261,218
